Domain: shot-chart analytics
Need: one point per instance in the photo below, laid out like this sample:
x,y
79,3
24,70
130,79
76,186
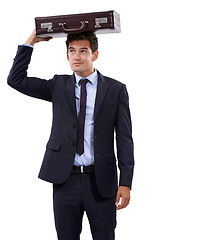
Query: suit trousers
x,y
77,195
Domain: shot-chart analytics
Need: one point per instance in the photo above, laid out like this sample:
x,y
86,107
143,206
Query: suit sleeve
x,y
31,86
124,140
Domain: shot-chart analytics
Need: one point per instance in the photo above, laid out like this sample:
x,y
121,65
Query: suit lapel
x,y
71,94
101,92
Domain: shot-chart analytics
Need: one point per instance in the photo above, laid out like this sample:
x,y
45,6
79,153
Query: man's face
x,y
81,58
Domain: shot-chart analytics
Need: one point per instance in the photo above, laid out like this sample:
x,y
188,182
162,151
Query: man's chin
x,y
77,69
82,72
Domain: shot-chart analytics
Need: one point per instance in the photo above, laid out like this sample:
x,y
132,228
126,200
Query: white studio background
x,y
163,56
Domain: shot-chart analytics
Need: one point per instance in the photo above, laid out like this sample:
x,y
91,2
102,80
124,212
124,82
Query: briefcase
x,y
60,26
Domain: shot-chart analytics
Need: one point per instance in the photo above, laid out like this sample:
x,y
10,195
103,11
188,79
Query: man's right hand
x,y
34,39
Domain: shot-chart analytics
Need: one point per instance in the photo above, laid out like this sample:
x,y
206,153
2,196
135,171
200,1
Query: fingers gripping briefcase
x,y
60,26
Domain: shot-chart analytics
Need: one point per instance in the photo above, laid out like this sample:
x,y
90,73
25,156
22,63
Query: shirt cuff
x,y
27,45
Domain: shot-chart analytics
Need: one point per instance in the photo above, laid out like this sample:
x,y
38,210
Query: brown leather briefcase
x,y
60,26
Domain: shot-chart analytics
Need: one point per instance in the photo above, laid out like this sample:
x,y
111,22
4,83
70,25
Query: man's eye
x,y
71,51
83,51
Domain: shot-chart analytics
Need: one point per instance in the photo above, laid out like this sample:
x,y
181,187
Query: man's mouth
x,y
77,63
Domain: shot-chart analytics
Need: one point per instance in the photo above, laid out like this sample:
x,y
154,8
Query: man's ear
x,y
95,55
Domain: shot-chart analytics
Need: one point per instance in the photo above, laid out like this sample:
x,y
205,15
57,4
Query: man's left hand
x,y
123,194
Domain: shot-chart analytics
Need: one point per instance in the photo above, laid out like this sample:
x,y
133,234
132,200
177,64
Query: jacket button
x,y
73,144
75,126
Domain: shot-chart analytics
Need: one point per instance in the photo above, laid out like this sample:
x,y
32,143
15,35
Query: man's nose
x,y
77,56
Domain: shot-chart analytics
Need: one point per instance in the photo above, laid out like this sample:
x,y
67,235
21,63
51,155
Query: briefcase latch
x,y
49,26
99,21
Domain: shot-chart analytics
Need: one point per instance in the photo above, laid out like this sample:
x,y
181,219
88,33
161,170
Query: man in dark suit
x,y
88,108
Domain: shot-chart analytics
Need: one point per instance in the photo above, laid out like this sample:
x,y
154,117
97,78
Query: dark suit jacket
x,y
111,115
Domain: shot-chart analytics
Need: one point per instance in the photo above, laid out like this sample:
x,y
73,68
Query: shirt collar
x,y
93,78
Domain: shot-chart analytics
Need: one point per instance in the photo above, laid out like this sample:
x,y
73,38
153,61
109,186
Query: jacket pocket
x,y
53,145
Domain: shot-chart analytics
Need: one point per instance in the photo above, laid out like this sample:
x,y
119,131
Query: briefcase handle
x,y
73,30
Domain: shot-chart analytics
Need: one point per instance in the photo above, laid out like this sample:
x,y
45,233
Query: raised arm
x,y
18,79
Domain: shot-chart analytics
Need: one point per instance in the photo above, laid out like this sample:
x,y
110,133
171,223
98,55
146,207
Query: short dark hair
x,y
90,36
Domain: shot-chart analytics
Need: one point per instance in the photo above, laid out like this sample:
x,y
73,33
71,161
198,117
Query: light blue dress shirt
x,y
87,158
27,45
